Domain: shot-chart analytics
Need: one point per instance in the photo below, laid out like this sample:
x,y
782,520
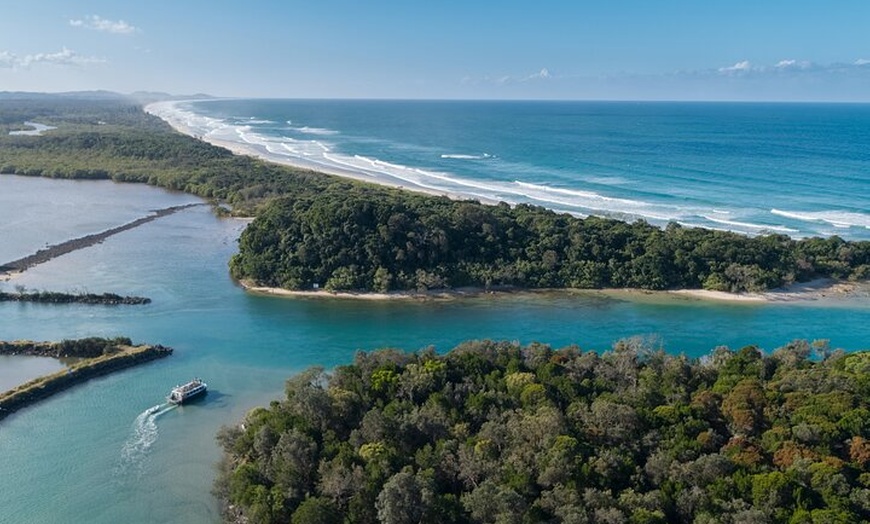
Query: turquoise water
x,y
797,169
93,454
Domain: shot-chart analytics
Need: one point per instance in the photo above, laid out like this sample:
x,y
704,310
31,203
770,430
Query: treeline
x,y
114,139
365,238
497,433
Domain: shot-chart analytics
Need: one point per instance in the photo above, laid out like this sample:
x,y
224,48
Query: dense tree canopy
x,y
371,239
114,139
497,433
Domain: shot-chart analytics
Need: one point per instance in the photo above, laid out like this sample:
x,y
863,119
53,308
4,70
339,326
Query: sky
x,y
778,50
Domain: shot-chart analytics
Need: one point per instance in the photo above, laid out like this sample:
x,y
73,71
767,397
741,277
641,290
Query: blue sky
x,y
617,49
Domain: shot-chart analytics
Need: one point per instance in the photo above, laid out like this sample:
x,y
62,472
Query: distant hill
x,y
140,97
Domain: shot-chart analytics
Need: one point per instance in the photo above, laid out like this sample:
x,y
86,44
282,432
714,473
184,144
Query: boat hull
x,y
187,392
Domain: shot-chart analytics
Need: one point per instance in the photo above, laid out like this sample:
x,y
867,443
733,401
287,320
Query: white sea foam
x,y
751,226
457,156
323,154
607,180
308,130
840,219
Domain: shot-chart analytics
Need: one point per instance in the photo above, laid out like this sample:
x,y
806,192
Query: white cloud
x,y
7,59
739,68
794,65
862,62
98,23
543,73
65,57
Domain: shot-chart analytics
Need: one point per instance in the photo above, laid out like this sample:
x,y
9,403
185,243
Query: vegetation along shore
x,y
498,432
317,231
99,356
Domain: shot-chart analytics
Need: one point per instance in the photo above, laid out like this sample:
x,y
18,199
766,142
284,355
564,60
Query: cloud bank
x,y
98,23
64,57
745,68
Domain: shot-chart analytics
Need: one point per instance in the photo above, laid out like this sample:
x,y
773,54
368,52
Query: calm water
x,y
798,169
93,455
14,370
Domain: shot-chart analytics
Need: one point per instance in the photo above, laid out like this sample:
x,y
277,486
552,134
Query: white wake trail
x,y
144,434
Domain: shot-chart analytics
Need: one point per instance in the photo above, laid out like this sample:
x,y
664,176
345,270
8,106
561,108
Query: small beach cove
x,y
820,292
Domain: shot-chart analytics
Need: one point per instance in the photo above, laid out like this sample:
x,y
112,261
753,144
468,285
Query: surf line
x,y
46,254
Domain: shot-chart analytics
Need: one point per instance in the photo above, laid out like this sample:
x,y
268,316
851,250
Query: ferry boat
x,y
184,392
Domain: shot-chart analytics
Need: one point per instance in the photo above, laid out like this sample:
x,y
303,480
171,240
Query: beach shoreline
x,y
166,111
812,291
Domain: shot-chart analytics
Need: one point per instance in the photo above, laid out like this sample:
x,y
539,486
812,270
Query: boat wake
x,y
144,435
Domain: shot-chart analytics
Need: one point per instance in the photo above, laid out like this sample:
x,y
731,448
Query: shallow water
x,y
93,454
16,370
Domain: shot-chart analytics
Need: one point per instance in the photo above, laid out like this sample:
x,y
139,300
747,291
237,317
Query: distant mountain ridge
x,y
142,97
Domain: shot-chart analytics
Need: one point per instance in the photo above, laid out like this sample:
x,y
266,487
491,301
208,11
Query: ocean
x,y
95,454
795,169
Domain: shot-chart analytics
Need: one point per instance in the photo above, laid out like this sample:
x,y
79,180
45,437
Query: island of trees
x,y
493,432
314,230
371,239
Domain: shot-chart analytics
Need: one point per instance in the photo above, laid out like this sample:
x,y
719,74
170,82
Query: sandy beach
x,y
171,115
814,291
820,289
439,294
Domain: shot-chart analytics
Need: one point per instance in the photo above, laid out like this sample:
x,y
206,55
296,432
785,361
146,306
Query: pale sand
x,y
816,290
164,111
820,289
440,294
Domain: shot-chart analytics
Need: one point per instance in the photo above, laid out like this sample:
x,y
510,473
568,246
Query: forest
x,y
316,230
366,238
495,432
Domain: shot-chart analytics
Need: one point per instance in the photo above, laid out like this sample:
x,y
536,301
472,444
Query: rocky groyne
x,y
44,255
111,358
53,297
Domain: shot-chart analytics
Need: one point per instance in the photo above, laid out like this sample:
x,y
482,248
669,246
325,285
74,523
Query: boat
x,y
185,392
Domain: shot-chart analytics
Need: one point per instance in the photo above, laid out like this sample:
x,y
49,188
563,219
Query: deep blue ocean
x,y
95,454
797,169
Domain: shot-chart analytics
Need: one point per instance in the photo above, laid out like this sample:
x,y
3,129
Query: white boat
x,y
185,392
